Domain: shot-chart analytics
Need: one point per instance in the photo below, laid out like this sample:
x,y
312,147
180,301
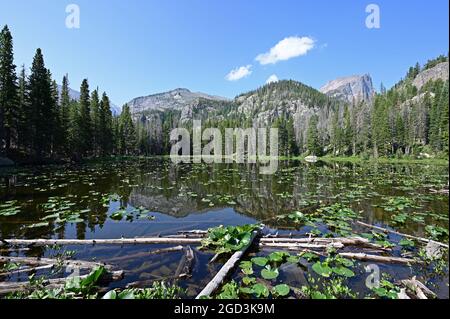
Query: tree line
x,y
39,120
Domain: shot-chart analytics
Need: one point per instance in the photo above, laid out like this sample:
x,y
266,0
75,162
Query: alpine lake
x,y
144,197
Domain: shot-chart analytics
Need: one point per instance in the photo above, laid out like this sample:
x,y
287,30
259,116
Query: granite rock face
x,y
440,71
177,99
357,88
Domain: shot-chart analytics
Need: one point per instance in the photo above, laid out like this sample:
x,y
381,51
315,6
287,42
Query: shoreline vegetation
x,y
326,159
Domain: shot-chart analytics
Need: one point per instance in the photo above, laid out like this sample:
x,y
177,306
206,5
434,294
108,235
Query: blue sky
x,y
132,48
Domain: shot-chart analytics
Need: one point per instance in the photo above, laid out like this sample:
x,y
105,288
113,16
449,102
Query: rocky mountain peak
x,y
440,71
351,88
176,99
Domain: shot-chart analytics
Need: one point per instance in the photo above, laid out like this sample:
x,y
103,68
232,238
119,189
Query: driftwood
x,y
385,230
300,246
353,241
419,289
9,287
122,241
48,261
218,279
26,270
186,264
381,259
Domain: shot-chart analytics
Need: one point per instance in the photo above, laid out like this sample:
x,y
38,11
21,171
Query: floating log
x,y
381,259
353,241
121,241
9,287
219,278
26,270
419,289
385,230
300,246
186,264
48,261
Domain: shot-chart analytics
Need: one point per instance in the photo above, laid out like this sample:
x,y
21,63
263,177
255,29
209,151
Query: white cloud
x,y
273,78
286,49
239,73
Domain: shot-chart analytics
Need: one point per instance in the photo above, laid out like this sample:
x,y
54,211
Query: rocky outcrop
x,y
355,88
177,99
440,71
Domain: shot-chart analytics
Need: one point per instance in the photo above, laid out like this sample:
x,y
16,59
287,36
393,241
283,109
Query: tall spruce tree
x,y
24,114
8,91
40,97
106,133
127,132
64,114
84,121
95,117
313,142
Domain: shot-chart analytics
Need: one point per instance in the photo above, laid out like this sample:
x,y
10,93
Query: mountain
x,y
440,71
352,88
75,95
176,99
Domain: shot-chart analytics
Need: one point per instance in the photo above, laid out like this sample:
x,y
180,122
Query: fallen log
x,y
9,287
353,241
186,264
122,241
418,288
26,270
219,278
381,259
385,230
297,246
32,261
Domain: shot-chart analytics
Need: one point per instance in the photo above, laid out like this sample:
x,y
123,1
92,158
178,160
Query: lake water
x,y
150,197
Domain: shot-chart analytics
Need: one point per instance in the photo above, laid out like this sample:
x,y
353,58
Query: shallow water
x,y
160,198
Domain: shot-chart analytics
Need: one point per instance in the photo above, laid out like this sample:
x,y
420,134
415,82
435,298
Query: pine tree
x,y
65,114
8,91
127,132
84,121
106,133
24,114
95,117
313,142
56,146
40,106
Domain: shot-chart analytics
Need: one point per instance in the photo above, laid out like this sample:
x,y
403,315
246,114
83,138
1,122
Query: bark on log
x,y
299,246
122,241
382,259
32,261
186,264
353,241
418,288
403,235
9,287
26,270
218,279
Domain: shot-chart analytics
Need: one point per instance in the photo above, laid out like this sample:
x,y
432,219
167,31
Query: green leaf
x,y
260,290
260,261
322,269
269,274
282,290
343,271
110,295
